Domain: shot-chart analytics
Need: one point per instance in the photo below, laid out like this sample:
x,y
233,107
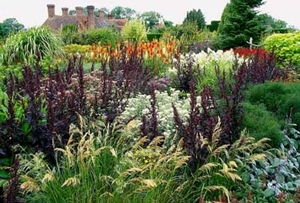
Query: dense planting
x,y
144,121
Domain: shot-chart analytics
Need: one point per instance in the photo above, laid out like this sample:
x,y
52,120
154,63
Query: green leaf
x,y
268,192
246,177
4,174
297,183
4,162
276,162
26,128
280,178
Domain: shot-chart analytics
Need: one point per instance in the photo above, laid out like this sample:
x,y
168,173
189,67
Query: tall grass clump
x,y
27,46
95,166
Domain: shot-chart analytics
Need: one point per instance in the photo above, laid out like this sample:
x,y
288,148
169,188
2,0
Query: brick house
x,y
84,22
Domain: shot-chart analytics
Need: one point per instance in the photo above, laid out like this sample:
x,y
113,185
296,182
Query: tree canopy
x,y
239,23
151,19
120,12
8,26
195,16
271,24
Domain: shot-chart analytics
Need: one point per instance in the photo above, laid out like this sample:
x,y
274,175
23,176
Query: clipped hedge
x,y
154,36
286,47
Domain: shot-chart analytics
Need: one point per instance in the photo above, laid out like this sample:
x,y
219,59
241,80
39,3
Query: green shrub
x,y
134,29
72,49
261,124
69,34
153,36
103,36
279,98
286,47
270,94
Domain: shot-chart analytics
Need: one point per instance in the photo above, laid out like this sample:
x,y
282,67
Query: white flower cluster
x,y
140,105
209,59
206,62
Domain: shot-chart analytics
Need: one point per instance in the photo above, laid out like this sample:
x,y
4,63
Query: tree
x,y
238,24
168,23
120,12
151,19
8,26
271,24
134,29
195,16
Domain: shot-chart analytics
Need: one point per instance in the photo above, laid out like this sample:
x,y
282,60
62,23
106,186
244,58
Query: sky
x,y
33,13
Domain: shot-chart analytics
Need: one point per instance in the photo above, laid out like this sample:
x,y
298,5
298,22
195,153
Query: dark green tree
x,y
239,24
195,16
8,26
213,26
120,12
168,23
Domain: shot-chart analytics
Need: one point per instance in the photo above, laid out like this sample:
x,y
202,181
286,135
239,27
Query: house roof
x,y
83,21
57,22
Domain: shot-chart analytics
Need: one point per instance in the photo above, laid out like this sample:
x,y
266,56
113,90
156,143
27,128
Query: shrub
x,y
279,98
27,46
103,36
153,36
140,105
72,49
250,53
134,30
69,34
261,123
286,48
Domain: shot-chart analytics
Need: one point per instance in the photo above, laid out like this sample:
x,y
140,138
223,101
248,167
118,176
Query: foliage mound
x,y
280,98
103,36
261,123
134,30
286,48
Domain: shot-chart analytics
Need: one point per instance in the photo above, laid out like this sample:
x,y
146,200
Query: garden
x,y
107,116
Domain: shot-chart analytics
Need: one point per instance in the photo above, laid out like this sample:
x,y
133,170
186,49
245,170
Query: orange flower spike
x,y
170,50
167,61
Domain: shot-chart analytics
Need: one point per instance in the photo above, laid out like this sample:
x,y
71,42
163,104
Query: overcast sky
x,y
34,12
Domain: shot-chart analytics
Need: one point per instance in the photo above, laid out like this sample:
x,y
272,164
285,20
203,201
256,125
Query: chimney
x,y
91,17
65,11
79,11
101,14
51,10
110,16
